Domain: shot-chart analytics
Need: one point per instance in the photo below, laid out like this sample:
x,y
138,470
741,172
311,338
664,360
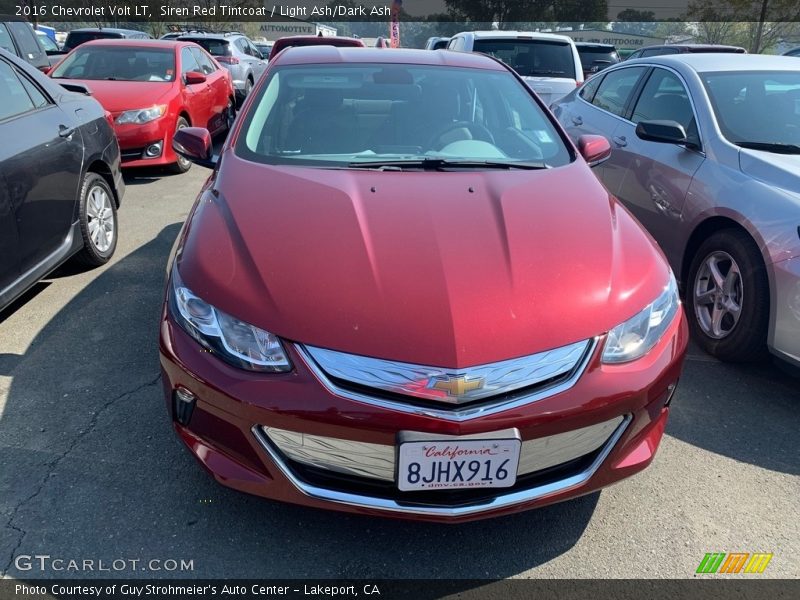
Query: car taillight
x,y
228,60
45,70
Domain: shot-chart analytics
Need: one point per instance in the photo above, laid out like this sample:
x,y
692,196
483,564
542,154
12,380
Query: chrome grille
x,y
451,386
377,461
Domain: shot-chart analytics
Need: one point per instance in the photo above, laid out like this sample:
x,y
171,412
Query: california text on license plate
x,y
457,463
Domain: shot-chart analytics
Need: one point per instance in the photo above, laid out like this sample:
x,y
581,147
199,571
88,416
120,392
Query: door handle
x,y
65,132
578,120
620,141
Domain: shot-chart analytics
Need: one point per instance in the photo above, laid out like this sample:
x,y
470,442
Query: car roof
x,y
593,45
706,63
128,43
298,55
200,35
536,35
109,29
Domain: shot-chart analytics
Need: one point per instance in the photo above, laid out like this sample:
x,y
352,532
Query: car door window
x,y
5,40
37,97
616,88
14,100
664,98
590,87
206,65
26,38
188,62
241,45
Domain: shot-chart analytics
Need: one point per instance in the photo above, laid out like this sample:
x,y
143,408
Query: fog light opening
x,y
154,150
670,392
183,404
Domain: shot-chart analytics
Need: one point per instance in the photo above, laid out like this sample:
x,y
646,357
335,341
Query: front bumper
x,y
785,332
625,405
134,139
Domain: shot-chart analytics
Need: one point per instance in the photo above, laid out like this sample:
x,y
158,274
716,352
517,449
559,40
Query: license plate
x,y
457,463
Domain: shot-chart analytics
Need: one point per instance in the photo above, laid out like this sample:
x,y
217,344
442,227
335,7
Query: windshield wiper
x,y
771,147
443,164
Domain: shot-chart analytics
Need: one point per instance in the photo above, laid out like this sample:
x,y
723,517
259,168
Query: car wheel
x,y
248,87
728,297
183,164
98,221
230,114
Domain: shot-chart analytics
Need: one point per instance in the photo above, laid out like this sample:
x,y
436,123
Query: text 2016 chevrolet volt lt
x,y
403,292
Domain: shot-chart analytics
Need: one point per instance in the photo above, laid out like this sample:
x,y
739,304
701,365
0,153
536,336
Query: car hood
x,y
779,170
448,269
117,96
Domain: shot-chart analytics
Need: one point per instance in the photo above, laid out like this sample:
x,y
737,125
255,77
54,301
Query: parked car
x,y
18,37
439,314
76,37
152,88
792,52
548,63
436,43
54,53
264,47
665,49
237,54
596,57
707,155
60,186
314,40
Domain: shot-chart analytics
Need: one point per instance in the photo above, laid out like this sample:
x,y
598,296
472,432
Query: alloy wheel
x,y
718,295
100,218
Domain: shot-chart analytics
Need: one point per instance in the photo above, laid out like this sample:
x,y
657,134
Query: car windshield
x,y
757,109
530,57
395,115
597,57
212,46
118,63
48,44
76,38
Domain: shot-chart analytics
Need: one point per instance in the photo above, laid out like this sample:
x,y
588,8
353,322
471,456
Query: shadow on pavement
x,y
748,412
90,468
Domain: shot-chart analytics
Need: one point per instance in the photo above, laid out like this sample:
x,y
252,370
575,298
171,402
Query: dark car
x,y
792,52
596,57
76,37
684,49
314,40
61,184
18,37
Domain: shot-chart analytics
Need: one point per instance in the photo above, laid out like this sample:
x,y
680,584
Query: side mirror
x,y
667,132
194,143
594,149
193,77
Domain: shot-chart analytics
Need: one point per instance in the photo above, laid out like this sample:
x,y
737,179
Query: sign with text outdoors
x,y
620,40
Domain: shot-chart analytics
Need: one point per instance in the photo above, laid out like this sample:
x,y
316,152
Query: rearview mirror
x,y
594,149
194,143
194,77
668,132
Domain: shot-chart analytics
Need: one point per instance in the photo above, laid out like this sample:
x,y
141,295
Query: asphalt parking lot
x,y
90,467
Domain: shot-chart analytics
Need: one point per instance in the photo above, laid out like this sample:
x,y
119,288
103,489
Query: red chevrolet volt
x,y
152,88
403,292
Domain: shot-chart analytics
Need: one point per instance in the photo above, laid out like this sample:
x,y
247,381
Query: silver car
x,y
706,154
236,53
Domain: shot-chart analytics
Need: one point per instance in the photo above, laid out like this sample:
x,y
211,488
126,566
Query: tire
x,y
230,115
183,164
248,87
97,215
731,258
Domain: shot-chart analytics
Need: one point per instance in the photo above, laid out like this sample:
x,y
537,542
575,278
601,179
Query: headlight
x,y
236,342
142,115
635,337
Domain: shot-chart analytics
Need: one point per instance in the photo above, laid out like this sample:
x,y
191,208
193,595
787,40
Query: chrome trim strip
x,y
454,414
447,385
377,461
382,504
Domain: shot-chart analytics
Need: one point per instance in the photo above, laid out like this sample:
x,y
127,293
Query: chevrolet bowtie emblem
x,y
456,386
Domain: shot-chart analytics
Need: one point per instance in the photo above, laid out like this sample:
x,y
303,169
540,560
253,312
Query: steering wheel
x,y
478,131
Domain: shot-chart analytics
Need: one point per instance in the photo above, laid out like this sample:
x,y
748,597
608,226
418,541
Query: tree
x,y
635,22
